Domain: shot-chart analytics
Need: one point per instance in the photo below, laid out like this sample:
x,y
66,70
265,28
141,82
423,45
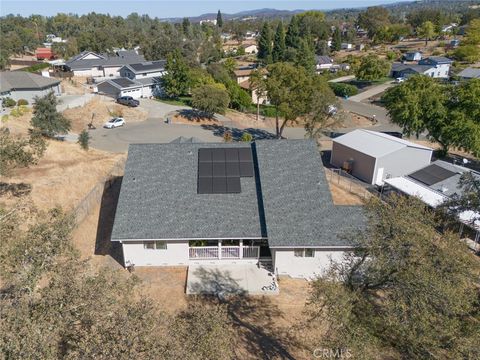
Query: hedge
x,y
343,90
21,102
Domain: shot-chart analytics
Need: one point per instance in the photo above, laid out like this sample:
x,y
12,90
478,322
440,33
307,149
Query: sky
x,y
166,8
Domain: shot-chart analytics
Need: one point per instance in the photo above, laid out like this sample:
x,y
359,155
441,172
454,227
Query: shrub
x,y
9,102
21,102
84,139
36,67
343,90
4,118
247,137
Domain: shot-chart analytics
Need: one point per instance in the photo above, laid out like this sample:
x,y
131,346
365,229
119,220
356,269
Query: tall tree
x,y
265,44
373,19
210,99
405,292
186,26
219,19
305,55
47,119
337,39
278,52
372,68
293,32
258,85
426,31
176,79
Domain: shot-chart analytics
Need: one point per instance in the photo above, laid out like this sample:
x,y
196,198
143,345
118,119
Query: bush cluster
x,y
343,90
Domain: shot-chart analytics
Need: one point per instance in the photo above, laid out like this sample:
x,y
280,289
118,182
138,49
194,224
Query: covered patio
x,y
231,279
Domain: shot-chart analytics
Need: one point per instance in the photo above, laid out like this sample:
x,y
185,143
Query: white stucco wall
x,y
286,263
111,71
440,71
88,72
149,75
175,254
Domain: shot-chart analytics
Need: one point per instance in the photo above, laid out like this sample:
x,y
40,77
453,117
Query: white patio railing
x,y
203,252
227,252
251,252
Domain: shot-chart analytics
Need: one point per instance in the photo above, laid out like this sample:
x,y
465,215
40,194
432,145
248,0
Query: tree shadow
x,y
220,130
15,189
255,318
193,115
108,206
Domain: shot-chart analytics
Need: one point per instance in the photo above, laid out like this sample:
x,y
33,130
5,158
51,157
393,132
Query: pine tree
x,y
186,26
337,39
278,52
219,19
265,43
293,33
305,56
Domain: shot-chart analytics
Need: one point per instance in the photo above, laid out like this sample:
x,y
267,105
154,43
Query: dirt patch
x,y
74,86
342,196
64,175
99,110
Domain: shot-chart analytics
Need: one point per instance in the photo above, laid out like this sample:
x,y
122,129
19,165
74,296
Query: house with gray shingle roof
x,y
91,64
24,85
137,88
143,70
469,73
189,203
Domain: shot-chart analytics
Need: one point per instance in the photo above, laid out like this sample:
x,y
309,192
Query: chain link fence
x,y
94,197
350,183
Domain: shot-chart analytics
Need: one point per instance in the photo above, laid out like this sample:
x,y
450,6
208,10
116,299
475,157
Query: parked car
x,y
332,110
115,122
399,80
128,101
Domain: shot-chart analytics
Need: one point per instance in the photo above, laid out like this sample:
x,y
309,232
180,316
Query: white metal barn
x,y
373,156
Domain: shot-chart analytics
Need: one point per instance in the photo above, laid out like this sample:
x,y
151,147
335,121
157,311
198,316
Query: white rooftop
x,y
374,143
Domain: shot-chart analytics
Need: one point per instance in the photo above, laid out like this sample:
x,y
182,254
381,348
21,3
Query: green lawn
x,y
181,101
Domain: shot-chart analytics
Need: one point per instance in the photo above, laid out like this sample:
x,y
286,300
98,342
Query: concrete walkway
x,y
342,78
372,92
229,279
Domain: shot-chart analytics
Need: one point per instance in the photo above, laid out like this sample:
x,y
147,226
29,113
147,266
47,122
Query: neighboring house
x,y
346,46
436,183
44,54
92,64
261,98
441,66
323,63
139,88
436,66
243,75
413,56
143,70
373,156
250,49
449,28
184,204
24,85
469,73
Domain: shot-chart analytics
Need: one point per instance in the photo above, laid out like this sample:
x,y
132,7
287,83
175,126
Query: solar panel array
x,y
432,174
220,169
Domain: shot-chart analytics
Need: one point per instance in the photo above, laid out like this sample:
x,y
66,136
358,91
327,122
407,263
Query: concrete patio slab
x,y
230,279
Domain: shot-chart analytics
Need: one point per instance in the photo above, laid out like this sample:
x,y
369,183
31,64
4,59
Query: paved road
x,y
342,78
375,90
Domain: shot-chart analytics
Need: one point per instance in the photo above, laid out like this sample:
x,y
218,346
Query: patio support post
x,y
240,255
219,249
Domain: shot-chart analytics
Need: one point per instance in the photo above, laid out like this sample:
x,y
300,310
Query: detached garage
x,y
373,156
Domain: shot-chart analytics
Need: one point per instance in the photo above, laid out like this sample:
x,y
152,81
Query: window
x,y
298,252
309,253
161,245
150,245
155,245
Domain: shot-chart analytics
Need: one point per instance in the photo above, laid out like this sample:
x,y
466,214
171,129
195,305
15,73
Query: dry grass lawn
x,y
64,175
102,109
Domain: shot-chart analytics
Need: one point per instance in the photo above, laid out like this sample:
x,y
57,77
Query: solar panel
x,y
218,155
219,185
205,169
232,169
219,169
245,154
204,185
246,169
432,174
233,185
204,155
231,155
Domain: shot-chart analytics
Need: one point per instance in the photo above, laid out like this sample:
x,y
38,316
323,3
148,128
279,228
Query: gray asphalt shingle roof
x,y
125,57
298,205
22,80
148,66
159,199
288,200
470,73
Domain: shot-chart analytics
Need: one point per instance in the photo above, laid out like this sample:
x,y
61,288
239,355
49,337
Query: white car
x,y
399,80
115,122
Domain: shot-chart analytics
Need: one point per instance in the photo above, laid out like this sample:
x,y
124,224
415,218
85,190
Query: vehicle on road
x,y
399,80
332,110
115,122
128,101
